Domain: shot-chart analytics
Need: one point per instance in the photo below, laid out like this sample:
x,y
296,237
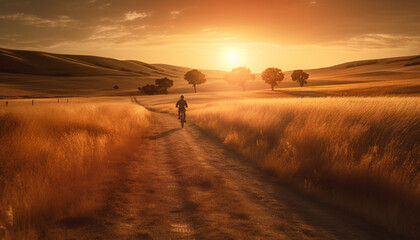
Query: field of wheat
x,y
362,153
54,156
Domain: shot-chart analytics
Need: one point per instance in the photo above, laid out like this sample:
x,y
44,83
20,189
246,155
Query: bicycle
x,y
182,118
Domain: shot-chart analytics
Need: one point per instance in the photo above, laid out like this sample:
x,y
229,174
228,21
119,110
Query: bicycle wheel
x,y
182,119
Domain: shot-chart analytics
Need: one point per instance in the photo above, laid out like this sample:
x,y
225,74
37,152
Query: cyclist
x,y
182,105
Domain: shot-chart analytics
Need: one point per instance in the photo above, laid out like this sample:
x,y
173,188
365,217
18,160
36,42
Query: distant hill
x,y
40,74
408,61
50,64
376,77
380,69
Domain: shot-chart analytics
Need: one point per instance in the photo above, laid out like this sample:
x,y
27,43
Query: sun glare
x,y
232,58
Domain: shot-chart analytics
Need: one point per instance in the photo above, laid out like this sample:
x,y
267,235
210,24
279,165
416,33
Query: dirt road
x,y
183,184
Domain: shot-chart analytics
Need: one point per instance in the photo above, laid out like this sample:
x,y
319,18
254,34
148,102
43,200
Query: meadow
x,y
360,153
54,157
350,136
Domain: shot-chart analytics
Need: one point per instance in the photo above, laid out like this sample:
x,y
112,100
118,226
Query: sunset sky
x,y
217,34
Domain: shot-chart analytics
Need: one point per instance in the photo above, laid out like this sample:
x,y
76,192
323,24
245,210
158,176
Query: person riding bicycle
x,y
182,105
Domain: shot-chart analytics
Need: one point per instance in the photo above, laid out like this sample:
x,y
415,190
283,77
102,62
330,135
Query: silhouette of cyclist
x,y
182,105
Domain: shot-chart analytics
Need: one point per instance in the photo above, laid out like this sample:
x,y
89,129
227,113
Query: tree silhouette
x,y
239,76
300,76
149,89
164,84
116,87
195,77
272,76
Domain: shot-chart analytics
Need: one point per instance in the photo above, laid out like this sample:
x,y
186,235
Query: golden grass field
x,y
360,153
53,158
350,137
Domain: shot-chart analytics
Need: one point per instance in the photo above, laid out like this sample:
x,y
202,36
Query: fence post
x,y
32,102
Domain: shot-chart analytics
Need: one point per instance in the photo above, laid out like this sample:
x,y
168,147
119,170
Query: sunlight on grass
x,y
359,152
53,157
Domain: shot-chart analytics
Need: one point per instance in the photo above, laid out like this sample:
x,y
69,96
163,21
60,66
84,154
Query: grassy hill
x,y
40,74
379,69
378,77
40,63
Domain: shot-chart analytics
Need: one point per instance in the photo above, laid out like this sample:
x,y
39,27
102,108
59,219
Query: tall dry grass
x,y
359,152
53,158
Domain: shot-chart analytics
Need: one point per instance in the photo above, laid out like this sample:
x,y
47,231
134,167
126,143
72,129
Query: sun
x,y
233,58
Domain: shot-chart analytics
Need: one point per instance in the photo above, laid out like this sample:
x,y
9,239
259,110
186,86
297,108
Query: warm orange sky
x,y
217,34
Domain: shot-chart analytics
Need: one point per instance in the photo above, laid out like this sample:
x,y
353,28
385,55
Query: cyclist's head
x,y
182,96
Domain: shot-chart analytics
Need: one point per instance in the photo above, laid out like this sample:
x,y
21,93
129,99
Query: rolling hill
x,y
25,74
48,64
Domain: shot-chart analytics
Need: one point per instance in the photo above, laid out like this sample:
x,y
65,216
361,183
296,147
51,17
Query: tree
x,y
239,76
164,84
149,89
300,76
272,76
116,87
195,77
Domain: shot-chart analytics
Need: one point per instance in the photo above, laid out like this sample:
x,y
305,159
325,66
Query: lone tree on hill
x,y
300,76
239,76
272,76
195,77
164,84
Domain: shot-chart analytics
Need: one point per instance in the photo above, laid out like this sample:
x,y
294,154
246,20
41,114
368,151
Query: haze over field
x,y
40,74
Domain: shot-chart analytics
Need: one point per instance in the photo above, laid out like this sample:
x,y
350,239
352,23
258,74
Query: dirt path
x,y
183,184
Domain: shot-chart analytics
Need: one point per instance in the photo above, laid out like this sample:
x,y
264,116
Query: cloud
x,y
133,15
127,17
175,14
111,33
118,36
28,19
104,6
378,41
